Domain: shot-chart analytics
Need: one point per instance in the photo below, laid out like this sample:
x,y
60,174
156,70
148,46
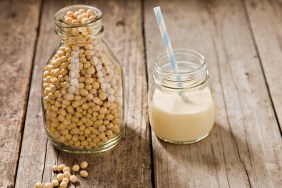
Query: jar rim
x,y
192,70
180,51
60,13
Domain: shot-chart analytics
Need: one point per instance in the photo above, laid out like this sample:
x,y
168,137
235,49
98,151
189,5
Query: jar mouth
x,y
59,21
192,70
163,57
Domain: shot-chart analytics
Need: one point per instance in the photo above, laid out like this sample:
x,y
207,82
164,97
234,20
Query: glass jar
x,y
181,107
82,89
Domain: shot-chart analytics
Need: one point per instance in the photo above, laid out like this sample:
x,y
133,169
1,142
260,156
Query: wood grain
x,y
244,148
18,33
265,21
128,165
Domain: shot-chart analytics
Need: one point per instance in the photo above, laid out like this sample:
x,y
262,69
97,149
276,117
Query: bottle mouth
x,y
181,55
192,70
75,27
60,22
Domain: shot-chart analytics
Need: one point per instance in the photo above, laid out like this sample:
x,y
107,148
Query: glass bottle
x,y
181,107
82,89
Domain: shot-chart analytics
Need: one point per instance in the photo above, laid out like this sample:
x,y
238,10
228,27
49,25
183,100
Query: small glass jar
x,y
181,107
82,89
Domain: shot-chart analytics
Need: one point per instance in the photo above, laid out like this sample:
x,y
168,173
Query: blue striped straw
x,y
165,37
168,47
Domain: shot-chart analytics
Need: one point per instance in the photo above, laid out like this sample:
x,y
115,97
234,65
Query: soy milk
x,y
175,120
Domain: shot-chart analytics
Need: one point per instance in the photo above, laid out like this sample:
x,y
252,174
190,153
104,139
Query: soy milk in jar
x,y
181,107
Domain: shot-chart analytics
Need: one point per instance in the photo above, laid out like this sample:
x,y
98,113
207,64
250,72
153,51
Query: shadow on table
x,y
220,154
128,164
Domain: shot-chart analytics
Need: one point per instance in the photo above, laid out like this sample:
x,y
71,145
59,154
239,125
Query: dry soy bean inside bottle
x,y
82,85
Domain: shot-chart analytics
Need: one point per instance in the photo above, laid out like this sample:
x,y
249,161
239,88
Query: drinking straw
x,y
168,47
167,43
165,37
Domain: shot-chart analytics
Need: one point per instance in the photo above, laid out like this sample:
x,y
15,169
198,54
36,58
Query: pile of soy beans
x,y
64,176
82,87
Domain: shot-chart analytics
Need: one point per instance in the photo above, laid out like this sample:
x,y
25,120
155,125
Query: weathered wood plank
x,y
34,143
18,34
129,163
244,147
265,20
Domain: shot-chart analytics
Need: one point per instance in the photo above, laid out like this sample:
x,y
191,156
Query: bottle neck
x,y
79,33
192,71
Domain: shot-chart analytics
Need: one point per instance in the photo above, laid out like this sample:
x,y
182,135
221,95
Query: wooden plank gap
x,y
29,86
19,20
227,118
261,64
148,84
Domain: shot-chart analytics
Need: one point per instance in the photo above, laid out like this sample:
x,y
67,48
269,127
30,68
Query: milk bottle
x,y
181,107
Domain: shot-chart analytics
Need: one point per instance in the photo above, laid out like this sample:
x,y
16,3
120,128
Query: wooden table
x,y
242,41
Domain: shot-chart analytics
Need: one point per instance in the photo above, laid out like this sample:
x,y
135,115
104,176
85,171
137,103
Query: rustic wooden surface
x,y
16,57
129,163
265,19
244,148
242,43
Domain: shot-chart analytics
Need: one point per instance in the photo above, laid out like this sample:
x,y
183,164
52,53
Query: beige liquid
x,y
174,120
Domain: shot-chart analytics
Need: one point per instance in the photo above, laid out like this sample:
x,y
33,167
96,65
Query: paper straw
x,y
165,37
167,43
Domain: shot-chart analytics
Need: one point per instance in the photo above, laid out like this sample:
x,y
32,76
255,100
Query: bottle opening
x,y
192,70
77,16
79,20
